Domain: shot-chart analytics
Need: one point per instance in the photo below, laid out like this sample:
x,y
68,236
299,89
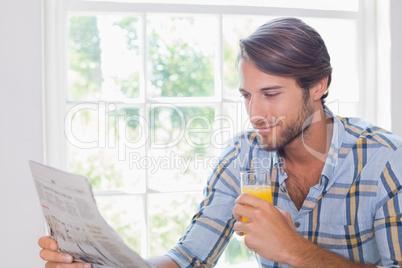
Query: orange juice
x,y
261,191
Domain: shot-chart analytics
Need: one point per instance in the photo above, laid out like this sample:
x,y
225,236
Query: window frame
x,y
56,13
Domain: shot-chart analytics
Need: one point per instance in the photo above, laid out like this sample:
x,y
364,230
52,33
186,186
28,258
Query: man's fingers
x,y
70,265
246,199
57,259
287,216
46,242
236,212
241,211
251,200
239,228
54,256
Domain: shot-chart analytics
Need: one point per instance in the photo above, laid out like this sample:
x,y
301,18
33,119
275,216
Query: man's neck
x,y
311,148
304,158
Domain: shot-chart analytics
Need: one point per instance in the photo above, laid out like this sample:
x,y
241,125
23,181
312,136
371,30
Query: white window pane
x,y
169,215
182,149
104,57
121,59
104,142
182,52
127,216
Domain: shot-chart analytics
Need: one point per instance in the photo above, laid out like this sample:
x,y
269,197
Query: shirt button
x,y
297,224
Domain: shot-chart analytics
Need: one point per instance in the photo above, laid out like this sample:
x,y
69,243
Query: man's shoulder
x,y
363,133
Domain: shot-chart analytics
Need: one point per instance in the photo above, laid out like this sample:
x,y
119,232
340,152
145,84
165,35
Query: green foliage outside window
x,y
84,57
179,71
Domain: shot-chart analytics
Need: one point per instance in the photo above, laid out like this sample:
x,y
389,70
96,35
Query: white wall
x,y
396,66
21,123
20,131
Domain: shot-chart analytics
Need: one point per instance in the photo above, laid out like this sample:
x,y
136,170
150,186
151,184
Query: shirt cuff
x,y
180,259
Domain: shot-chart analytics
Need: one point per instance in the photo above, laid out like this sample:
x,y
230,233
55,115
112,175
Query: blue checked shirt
x,y
355,210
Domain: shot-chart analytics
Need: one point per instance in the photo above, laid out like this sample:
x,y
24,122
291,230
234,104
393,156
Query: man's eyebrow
x,y
263,89
270,88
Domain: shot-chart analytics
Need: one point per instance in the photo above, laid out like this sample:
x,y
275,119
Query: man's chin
x,y
266,145
269,148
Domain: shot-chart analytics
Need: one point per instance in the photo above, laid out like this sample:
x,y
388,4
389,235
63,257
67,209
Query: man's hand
x,y
62,260
271,234
270,231
57,259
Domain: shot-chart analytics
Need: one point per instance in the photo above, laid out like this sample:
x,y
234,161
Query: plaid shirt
x,y
355,210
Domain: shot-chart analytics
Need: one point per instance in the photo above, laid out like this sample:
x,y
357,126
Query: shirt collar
x,y
338,134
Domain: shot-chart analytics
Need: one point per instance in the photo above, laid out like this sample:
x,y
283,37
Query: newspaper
x,y
75,222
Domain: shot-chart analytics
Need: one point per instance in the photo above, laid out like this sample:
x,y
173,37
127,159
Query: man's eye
x,y
245,95
271,95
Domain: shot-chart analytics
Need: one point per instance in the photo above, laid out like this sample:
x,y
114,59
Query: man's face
x,y
276,106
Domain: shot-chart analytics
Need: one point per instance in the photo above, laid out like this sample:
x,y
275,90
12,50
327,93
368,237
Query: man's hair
x,y
289,47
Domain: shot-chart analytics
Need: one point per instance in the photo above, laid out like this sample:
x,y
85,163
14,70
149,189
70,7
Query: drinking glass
x,y
257,183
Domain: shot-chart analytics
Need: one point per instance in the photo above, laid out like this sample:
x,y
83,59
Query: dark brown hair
x,y
289,47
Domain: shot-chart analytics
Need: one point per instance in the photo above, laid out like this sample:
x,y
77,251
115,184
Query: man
x,y
336,181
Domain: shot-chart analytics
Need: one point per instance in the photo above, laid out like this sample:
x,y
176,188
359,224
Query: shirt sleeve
x,y
388,222
212,226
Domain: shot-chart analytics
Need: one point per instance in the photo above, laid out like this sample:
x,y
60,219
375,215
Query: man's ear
x,y
319,89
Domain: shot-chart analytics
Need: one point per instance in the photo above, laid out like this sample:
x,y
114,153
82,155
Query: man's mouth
x,y
265,130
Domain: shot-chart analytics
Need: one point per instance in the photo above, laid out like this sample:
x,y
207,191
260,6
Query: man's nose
x,y
256,110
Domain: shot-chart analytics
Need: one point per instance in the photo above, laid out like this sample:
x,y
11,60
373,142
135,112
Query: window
x,y
141,98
